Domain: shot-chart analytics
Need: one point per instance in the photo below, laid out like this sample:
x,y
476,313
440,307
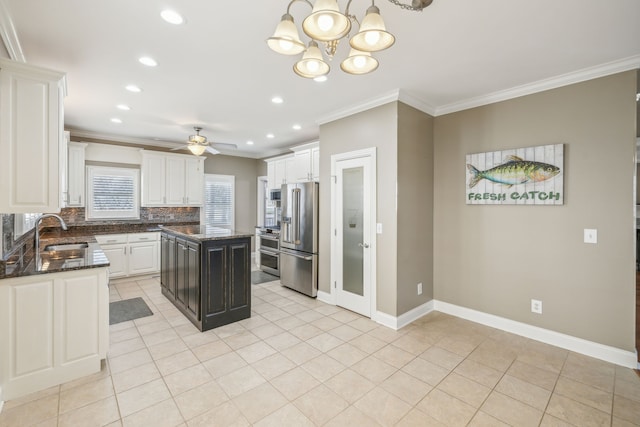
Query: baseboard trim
x,y
405,318
325,297
568,342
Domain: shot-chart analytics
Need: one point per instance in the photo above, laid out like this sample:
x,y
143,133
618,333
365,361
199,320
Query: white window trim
x,y
216,177
113,215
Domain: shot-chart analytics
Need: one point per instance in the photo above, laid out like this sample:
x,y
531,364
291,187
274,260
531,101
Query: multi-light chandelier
x,y
327,25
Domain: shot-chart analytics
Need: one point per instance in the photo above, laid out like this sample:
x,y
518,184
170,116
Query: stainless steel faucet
x,y
37,236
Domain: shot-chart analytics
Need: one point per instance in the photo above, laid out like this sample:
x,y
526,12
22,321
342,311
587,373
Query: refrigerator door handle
x,y
295,197
306,258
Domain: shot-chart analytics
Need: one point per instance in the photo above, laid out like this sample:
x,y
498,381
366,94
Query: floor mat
x,y
258,277
128,309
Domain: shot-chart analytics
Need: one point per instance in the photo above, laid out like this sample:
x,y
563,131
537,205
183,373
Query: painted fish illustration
x,y
514,171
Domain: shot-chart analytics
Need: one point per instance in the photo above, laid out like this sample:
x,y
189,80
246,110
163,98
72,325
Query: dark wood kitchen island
x,y
206,273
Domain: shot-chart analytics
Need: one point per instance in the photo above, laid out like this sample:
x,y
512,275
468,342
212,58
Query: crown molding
x,y
385,98
602,70
9,35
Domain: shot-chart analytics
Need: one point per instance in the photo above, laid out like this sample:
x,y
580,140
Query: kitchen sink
x,y
66,247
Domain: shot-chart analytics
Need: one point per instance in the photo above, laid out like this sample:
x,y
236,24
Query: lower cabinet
x,y
131,254
208,281
54,328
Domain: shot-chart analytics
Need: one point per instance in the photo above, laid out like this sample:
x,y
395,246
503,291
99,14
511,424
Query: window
x,y
113,193
219,209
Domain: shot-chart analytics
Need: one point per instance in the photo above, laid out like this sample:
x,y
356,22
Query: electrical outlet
x,y
590,235
379,228
536,306
171,216
420,288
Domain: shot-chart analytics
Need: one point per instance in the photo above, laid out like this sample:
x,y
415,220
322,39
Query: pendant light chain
x,y
409,7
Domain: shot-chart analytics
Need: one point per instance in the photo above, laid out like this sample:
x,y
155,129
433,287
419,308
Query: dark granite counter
x,y
204,233
58,261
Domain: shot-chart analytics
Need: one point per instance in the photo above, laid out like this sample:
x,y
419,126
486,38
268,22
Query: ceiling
x,y
217,72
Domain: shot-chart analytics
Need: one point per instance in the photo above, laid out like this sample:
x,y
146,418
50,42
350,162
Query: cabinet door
x,y
271,176
64,169
168,270
279,173
193,280
289,170
302,166
75,174
238,281
143,257
153,180
195,181
315,164
31,130
175,181
117,256
182,271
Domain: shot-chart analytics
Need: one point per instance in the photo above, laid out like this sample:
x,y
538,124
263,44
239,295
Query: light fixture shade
x,y
325,22
373,35
311,65
359,63
285,39
197,149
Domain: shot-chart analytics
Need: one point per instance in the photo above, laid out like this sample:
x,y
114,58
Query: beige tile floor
x,y
299,362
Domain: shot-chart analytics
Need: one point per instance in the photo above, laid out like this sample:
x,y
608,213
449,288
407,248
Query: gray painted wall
x,y
495,259
415,207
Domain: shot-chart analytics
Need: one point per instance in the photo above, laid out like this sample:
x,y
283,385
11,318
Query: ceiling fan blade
x,y
212,150
224,145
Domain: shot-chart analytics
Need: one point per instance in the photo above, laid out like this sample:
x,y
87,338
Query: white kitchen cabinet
x,y
280,173
31,135
172,179
315,164
54,329
63,160
131,254
307,163
194,185
75,174
280,170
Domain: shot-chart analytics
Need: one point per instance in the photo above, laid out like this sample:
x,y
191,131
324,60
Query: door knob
x,y
363,245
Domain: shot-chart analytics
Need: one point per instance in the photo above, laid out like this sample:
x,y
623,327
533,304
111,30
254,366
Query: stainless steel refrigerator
x,y
299,237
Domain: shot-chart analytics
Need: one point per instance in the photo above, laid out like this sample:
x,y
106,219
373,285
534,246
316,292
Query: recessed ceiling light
x,y
249,142
277,100
123,107
270,136
148,61
296,127
116,120
172,17
320,79
133,88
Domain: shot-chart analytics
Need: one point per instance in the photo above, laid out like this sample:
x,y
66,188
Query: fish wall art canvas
x,y
520,176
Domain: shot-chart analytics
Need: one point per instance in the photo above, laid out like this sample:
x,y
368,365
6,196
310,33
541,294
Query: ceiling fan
x,y
198,144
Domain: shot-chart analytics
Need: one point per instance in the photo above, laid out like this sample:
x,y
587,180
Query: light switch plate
x,y
379,228
590,235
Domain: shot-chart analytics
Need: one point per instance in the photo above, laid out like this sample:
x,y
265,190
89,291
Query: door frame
x,y
371,153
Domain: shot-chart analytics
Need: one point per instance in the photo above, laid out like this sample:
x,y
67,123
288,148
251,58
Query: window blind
x,y
112,192
219,201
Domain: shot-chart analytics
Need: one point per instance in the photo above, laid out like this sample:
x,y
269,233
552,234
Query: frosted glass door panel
x,y
352,221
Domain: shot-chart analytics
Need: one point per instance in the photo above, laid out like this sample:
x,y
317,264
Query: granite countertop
x,y
204,233
58,261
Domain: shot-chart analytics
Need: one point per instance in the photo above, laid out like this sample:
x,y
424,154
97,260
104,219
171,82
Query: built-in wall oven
x,y
270,252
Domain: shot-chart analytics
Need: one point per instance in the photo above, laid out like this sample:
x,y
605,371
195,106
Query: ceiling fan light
x,y
326,22
358,63
197,149
285,39
311,65
373,35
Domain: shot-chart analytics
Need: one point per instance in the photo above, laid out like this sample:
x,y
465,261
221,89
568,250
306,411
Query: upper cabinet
x,y
31,135
73,190
302,166
171,179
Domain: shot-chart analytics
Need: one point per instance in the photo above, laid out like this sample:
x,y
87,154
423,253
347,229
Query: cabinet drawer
x,y
108,239
144,237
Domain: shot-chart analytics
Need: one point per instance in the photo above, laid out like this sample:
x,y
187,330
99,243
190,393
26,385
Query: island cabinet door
x,y
168,267
214,289
193,280
182,272
239,281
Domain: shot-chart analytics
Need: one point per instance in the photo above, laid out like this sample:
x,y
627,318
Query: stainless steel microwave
x,y
274,195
